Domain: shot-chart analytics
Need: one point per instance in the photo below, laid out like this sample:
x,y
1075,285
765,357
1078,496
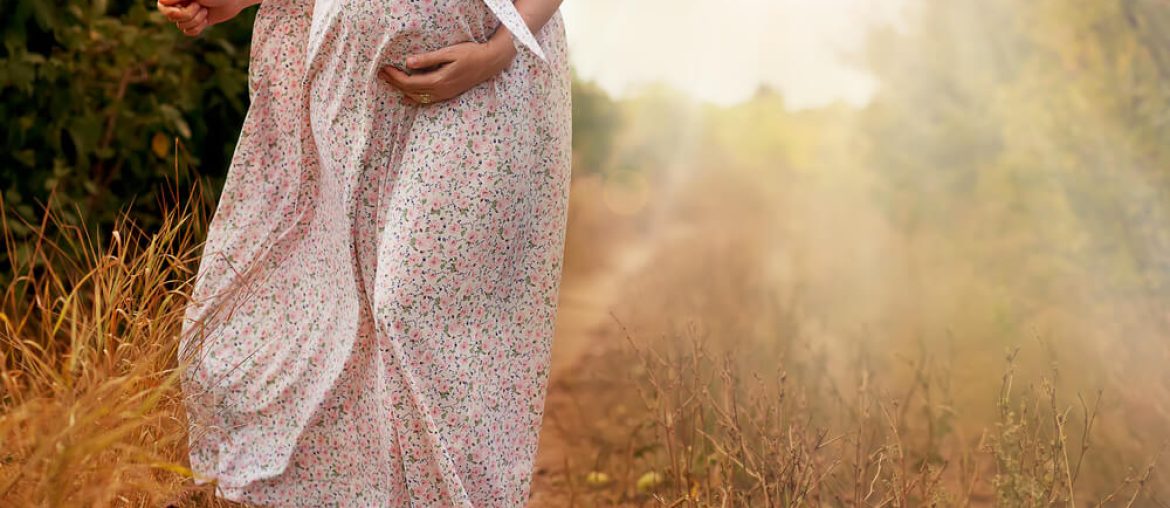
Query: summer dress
x,y
371,320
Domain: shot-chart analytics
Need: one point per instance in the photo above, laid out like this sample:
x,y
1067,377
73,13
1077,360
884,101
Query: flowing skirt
x,y
371,320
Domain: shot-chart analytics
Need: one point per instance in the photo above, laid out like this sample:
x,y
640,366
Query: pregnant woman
x,y
371,320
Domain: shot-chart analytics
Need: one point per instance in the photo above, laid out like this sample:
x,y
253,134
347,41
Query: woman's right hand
x,y
193,17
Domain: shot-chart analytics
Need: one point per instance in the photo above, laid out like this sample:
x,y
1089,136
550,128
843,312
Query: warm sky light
x,y
722,50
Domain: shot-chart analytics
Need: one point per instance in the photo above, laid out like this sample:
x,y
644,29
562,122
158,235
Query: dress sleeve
x,y
510,18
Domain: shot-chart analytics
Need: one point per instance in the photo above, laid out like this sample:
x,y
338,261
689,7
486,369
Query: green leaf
x,y
173,115
26,157
99,7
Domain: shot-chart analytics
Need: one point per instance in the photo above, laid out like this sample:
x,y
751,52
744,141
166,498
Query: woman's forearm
x,y
448,72
535,13
244,4
236,4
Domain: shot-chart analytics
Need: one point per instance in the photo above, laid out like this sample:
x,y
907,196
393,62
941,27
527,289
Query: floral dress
x,y
371,320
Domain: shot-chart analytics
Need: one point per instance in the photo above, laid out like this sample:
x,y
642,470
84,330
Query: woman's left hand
x,y
193,17
456,69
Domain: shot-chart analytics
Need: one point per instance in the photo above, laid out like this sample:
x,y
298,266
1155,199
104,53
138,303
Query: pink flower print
x,y
342,358
424,241
455,228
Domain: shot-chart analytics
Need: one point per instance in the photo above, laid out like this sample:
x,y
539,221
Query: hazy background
x,y
721,52
843,253
940,220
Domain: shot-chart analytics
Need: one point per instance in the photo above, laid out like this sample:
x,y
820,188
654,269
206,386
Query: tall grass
x,y
91,411
730,437
725,393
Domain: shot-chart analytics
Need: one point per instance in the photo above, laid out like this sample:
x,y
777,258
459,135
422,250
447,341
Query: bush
x,y
99,96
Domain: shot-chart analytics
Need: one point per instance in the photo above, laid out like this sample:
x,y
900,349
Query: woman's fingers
x,y
413,94
387,73
189,16
432,59
196,30
180,13
392,75
424,98
443,74
416,100
173,14
406,82
418,83
196,21
425,87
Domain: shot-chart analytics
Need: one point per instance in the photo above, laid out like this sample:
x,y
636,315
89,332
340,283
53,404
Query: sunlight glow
x,y
723,51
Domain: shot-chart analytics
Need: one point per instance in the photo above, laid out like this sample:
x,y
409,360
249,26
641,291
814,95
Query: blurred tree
x,y
595,121
1042,126
1110,129
929,126
1029,143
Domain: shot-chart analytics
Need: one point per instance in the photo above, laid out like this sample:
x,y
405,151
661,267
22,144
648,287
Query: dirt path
x,y
585,305
582,317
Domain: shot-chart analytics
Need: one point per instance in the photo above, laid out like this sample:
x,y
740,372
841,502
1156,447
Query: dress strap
x,y
510,17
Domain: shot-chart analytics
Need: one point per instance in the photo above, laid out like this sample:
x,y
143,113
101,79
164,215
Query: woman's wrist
x,y
238,6
223,10
501,50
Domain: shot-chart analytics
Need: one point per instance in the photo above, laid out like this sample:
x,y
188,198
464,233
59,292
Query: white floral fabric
x,y
371,320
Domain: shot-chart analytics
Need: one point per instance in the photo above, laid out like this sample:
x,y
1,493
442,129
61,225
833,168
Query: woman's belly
x,y
375,33
359,124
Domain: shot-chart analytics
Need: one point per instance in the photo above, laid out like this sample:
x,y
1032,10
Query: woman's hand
x,y
193,17
448,72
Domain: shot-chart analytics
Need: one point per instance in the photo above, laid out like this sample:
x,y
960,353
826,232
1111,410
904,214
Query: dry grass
x,y
91,410
717,390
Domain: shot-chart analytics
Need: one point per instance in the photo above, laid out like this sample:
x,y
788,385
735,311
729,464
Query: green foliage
x,y
1037,130
595,121
95,94
1025,145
